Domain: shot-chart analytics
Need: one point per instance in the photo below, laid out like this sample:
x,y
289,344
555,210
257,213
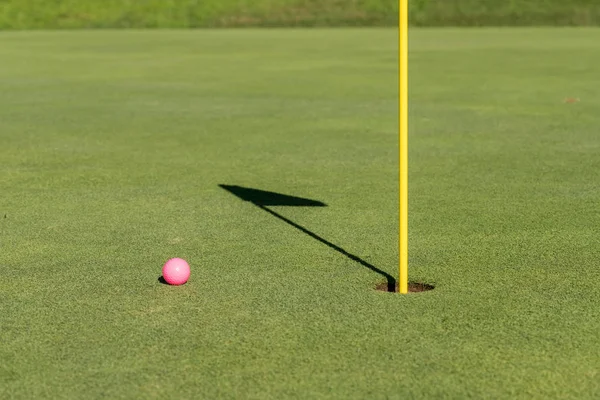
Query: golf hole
x,y
413,287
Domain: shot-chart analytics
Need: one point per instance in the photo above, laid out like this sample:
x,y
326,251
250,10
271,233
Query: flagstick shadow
x,y
391,281
262,199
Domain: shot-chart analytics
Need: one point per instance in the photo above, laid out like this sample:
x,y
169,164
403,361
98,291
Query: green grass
x,y
66,14
113,145
71,14
504,12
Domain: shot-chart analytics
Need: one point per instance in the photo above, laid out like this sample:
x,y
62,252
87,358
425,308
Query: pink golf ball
x,y
176,271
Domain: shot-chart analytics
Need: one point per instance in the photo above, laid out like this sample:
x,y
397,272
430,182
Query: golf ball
x,y
176,271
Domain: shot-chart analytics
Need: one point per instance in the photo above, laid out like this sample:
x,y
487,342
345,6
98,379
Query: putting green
x,y
113,145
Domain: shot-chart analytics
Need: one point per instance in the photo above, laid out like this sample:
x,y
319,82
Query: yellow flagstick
x,y
403,56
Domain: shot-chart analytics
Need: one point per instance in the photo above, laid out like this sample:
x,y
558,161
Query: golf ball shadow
x,y
162,280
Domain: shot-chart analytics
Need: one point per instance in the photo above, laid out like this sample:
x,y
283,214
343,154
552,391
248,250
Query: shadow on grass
x,y
262,199
162,280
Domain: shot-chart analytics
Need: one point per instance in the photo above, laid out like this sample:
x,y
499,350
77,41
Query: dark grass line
x,y
391,281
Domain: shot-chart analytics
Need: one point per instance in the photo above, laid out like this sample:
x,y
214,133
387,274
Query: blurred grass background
x,y
76,14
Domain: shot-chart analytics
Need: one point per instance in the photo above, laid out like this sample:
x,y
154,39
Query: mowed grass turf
x,y
112,147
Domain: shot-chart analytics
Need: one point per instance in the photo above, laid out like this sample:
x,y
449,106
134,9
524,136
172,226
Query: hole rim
x,y
413,287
